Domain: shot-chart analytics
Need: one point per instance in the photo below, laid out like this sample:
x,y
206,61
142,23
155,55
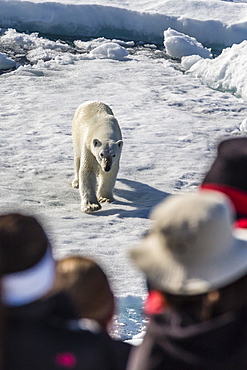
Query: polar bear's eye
x,y
114,155
102,155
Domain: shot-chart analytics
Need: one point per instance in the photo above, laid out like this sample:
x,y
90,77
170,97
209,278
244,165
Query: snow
x,y
226,72
179,45
109,50
5,62
243,125
172,112
213,21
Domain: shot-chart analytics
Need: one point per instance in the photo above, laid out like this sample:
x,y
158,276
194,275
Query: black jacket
x,y
173,342
37,338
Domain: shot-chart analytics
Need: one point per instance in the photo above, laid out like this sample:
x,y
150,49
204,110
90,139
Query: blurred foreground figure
x,y
228,174
88,286
197,275
36,321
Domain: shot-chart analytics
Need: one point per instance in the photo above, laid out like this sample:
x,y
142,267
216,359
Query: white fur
x,y
97,142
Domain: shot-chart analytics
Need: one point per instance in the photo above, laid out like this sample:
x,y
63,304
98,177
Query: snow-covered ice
x,y
110,50
179,45
172,113
226,72
5,62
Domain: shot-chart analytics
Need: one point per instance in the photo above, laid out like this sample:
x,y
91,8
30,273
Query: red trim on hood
x,y
155,303
241,223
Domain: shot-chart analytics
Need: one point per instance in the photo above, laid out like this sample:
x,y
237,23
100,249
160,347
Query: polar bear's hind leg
x,y
75,182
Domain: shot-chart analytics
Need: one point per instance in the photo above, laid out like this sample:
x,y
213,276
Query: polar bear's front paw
x,y
75,183
91,207
106,199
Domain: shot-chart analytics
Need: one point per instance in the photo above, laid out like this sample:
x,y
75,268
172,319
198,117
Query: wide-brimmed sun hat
x,y
191,248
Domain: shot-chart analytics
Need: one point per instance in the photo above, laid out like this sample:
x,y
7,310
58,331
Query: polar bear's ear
x,y
96,142
120,143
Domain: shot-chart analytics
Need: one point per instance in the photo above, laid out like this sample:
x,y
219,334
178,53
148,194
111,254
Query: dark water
x,y
20,51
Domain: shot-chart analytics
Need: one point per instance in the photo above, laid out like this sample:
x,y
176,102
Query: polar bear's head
x,y
106,153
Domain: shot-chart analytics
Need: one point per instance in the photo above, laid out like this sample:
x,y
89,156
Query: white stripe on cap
x,y
27,286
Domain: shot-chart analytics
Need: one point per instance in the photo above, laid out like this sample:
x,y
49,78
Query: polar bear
x,y
97,143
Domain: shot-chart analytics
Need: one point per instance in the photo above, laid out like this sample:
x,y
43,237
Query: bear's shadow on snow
x,y
141,196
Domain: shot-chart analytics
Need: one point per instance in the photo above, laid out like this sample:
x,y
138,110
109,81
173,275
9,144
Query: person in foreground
x,y
227,174
197,275
88,286
36,333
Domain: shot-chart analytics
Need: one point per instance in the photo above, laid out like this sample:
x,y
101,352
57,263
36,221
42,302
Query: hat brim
x,y
167,273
